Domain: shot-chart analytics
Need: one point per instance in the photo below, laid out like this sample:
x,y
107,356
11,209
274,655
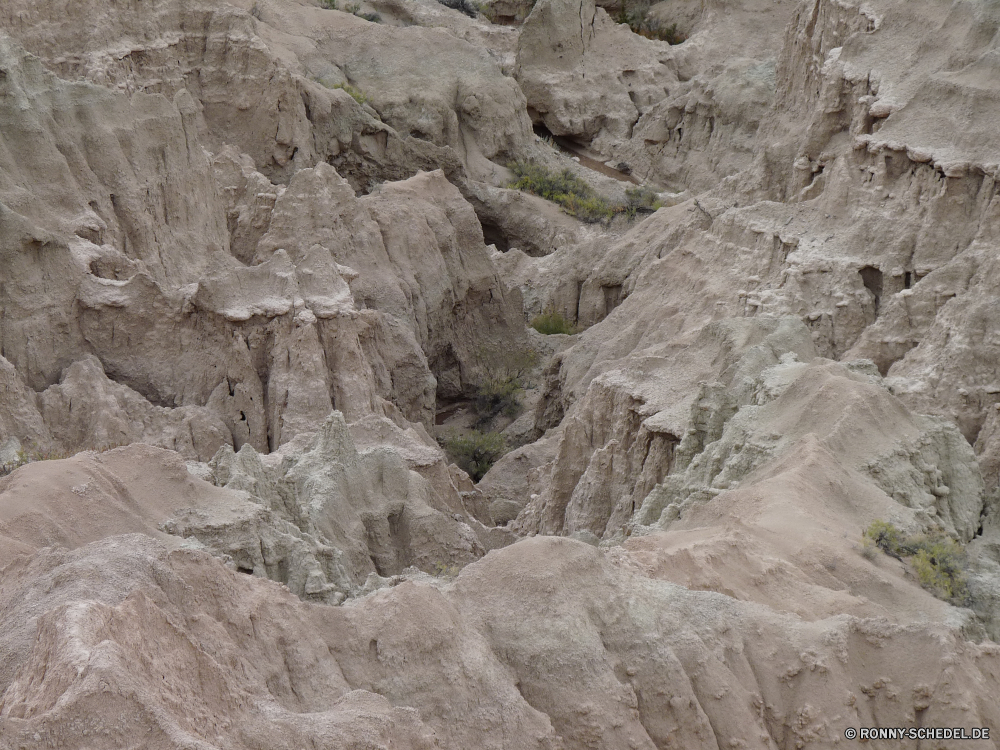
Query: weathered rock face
x,y
259,81
208,289
929,468
880,245
646,656
585,76
255,236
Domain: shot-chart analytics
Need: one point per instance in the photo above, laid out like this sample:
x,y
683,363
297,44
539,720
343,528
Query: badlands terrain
x,y
263,268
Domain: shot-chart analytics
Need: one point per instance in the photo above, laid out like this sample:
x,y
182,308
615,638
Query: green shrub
x,y
476,452
27,457
329,4
633,13
642,199
21,459
576,197
359,96
550,322
886,537
938,561
550,185
499,390
940,567
498,394
668,34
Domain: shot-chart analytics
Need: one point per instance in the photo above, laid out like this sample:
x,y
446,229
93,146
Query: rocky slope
x,y
252,254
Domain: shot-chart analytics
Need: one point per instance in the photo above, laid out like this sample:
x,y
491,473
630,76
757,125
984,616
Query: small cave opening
x,y
871,277
543,132
494,235
907,279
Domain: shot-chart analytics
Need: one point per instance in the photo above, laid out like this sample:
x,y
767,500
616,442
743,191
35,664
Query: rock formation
x,y
257,258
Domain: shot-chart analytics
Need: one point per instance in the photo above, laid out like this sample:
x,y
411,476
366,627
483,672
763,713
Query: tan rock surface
x,y
250,242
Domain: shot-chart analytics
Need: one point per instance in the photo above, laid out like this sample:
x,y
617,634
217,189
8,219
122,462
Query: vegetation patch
x,y
499,391
652,30
357,94
31,456
938,561
476,452
635,15
447,571
641,199
577,197
496,395
550,322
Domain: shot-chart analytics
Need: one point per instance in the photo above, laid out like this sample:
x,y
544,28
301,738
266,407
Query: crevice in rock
x,y
494,235
147,390
613,297
579,148
871,277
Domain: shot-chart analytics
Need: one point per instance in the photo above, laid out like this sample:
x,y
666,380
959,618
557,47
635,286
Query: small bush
x,y
940,568
476,452
499,391
668,34
359,96
329,4
642,199
576,197
633,13
498,394
886,537
547,184
27,457
550,322
370,17
21,459
938,561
